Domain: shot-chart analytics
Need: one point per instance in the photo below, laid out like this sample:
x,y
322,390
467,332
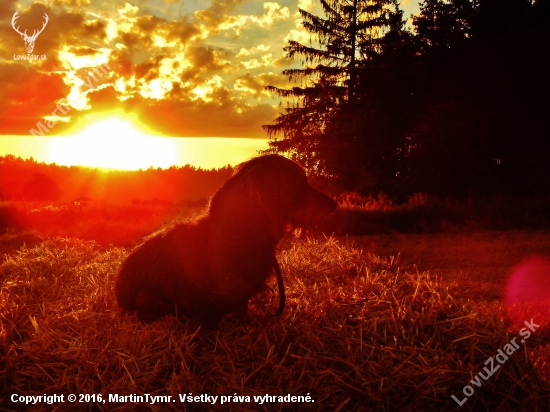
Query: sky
x,y
170,68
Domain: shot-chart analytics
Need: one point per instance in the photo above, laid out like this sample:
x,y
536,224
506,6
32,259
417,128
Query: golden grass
x,y
479,262
358,333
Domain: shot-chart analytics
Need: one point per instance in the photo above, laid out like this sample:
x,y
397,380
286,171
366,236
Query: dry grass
x,y
359,215
104,223
358,333
479,262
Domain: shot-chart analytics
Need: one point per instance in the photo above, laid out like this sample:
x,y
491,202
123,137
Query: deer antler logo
x,y
29,40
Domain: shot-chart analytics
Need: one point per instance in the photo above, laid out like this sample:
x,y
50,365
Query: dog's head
x,y
279,188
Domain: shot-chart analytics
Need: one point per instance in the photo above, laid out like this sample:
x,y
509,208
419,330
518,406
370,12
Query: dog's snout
x,y
317,207
324,201
332,204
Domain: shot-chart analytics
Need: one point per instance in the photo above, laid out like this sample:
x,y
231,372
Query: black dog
x,y
214,266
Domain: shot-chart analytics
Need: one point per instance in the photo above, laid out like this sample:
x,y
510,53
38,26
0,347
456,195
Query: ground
x,y
358,330
479,262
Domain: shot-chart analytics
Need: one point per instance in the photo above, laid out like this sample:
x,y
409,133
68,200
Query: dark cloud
x,y
7,9
149,70
140,35
182,30
135,41
205,59
82,51
207,119
121,62
217,13
26,96
104,99
146,24
256,84
95,30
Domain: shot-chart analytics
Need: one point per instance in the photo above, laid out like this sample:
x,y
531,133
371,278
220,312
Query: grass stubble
x,y
358,333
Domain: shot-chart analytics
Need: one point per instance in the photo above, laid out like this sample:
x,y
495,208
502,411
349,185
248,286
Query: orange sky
x,y
178,68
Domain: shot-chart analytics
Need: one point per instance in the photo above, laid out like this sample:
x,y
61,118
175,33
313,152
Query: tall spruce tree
x,y
480,128
444,23
323,110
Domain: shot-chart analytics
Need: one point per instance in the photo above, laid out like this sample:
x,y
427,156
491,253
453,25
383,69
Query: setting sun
x,y
113,143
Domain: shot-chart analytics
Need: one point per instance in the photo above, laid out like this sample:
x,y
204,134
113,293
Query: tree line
x,y
456,106
26,179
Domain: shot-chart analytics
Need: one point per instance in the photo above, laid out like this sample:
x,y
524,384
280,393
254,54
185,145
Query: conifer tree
x,y
322,108
444,23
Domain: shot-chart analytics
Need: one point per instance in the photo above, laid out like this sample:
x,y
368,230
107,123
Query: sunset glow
x,y
113,143
197,70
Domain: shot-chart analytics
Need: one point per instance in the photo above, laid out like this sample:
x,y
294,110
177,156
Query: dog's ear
x,y
258,186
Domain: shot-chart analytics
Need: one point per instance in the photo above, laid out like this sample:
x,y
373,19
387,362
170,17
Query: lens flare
x,y
527,294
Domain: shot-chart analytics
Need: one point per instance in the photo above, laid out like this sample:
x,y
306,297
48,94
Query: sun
x,y
113,143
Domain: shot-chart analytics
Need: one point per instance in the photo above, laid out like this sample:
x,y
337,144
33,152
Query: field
x,y
478,262
382,323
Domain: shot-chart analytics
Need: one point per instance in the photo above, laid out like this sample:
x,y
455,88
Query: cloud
x,y
249,85
105,99
306,5
217,18
7,10
27,95
80,57
76,3
219,117
133,29
213,16
156,77
260,48
272,12
185,67
207,59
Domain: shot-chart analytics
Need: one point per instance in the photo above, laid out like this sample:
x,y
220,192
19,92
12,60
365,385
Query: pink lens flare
x,y
527,293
